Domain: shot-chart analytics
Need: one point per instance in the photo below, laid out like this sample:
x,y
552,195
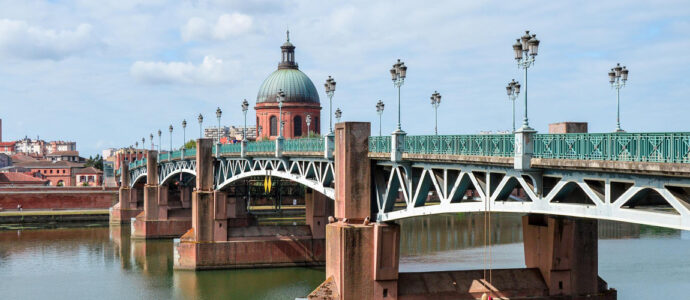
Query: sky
x,y
107,73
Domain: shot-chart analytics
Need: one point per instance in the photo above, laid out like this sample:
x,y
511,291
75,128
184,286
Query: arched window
x,y
297,126
317,129
274,126
257,128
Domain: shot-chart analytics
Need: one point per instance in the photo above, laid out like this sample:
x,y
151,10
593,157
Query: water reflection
x,y
428,234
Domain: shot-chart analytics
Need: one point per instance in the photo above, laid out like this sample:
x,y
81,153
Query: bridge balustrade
x,y
380,144
229,148
637,147
304,145
261,146
476,144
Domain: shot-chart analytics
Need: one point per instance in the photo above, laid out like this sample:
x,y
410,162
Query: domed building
x,y
301,99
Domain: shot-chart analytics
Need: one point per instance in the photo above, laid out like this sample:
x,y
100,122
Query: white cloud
x,y
212,70
19,39
228,25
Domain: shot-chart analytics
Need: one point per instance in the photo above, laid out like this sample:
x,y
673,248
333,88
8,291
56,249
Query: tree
x,y
96,162
190,144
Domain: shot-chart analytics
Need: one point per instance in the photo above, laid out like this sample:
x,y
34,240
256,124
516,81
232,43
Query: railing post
x,y
397,145
279,146
524,148
328,145
243,149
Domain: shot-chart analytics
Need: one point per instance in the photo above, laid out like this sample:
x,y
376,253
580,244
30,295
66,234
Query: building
x,y
107,153
229,134
88,176
301,99
7,148
59,173
41,148
60,146
213,132
72,156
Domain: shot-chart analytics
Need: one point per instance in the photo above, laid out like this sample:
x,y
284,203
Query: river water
x,y
103,263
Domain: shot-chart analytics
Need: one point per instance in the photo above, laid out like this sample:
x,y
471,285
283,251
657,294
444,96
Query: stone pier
x,y
154,221
362,258
223,235
126,208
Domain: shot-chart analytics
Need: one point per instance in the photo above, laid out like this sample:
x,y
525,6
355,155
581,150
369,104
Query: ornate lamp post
x,y
245,108
308,125
170,129
435,102
151,139
330,89
513,90
338,114
398,74
618,76
379,110
184,133
201,120
525,52
280,97
159,141
219,113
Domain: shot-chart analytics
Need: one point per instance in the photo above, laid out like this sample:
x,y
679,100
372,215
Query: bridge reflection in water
x,y
428,234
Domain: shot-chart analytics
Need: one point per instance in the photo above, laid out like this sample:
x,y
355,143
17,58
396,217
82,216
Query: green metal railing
x,y
137,163
304,145
642,147
380,144
163,156
477,144
231,148
191,152
261,146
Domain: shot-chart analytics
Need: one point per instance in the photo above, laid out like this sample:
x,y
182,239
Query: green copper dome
x,y
295,84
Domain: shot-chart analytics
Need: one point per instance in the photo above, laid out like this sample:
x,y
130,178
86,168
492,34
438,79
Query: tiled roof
x,y
7,143
64,153
18,177
45,164
87,170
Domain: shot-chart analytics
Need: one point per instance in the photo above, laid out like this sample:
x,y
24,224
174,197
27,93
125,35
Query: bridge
x,y
563,182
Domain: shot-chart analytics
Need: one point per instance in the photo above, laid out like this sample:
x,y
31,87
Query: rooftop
x,y
87,170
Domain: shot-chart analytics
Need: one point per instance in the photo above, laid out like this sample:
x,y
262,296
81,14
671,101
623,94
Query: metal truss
x,y
166,170
652,200
315,173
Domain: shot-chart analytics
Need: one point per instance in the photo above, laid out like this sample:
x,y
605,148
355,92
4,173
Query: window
x,y
51,171
274,126
317,129
297,126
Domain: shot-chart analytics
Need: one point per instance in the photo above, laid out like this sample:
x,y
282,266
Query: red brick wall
x,y
57,198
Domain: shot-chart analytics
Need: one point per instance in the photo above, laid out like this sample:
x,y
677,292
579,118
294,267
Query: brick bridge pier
x,y
362,258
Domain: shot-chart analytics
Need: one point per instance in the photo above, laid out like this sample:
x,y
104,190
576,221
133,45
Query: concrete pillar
x,y
151,208
203,197
397,145
524,148
565,251
318,208
279,146
124,193
220,216
186,196
329,145
361,257
163,202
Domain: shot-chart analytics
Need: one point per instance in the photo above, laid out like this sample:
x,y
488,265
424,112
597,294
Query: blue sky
x,y
107,73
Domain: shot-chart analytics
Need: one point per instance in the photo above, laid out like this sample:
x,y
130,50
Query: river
x,y
103,263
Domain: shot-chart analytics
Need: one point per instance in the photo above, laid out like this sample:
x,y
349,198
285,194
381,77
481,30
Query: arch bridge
x,y
630,177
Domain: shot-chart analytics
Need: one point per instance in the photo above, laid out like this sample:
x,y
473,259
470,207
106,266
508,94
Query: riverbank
x,y
48,217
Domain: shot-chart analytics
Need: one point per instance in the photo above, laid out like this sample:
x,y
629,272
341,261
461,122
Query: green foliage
x,y
312,135
96,162
190,144
85,183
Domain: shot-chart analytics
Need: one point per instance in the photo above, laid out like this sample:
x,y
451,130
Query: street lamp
x,y
159,141
379,110
398,73
338,114
618,76
170,129
308,125
151,139
435,102
330,89
218,114
201,120
143,143
245,107
513,90
280,97
525,52
184,133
